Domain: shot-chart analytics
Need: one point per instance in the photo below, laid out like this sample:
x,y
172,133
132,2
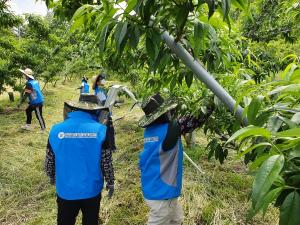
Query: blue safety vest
x,y
85,88
77,144
101,94
161,171
36,97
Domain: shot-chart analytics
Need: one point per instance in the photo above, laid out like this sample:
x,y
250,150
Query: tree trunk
x,y
45,84
55,82
11,96
190,139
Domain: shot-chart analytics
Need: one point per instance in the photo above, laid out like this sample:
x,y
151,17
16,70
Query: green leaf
x,y
238,101
79,22
253,147
106,5
274,123
289,143
263,203
265,177
106,19
152,44
295,153
292,88
146,13
253,109
295,132
242,4
150,48
212,145
236,125
211,7
249,131
288,71
226,8
296,118
289,210
180,78
156,38
261,119
221,154
173,83
122,34
198,38
294,180
130,6
181,16
81,11
289,57
103,37
134,37
163,62
189,78
212,32
295,76
288,122
118,31
258,161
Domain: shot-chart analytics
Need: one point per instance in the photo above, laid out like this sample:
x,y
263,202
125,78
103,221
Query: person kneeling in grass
x,y
77,158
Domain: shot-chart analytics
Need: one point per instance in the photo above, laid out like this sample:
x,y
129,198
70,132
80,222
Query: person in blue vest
x,y
99,87
36,99
84,88
101,93
161,161
78,160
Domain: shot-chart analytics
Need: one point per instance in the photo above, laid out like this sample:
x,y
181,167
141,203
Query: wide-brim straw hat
x,y
86,102
154,107
27,72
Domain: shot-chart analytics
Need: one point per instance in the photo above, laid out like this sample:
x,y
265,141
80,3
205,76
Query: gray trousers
x,y
165,212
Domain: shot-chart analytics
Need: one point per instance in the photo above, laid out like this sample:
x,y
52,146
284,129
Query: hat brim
x,y
27,75
148,119
85,106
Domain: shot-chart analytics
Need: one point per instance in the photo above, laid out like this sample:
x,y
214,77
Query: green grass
x,y
26,197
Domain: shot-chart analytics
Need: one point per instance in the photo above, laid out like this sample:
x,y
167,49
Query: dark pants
x,y
67,210
38,109
111,134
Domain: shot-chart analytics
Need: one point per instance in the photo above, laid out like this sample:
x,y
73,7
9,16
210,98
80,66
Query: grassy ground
x,y
219,197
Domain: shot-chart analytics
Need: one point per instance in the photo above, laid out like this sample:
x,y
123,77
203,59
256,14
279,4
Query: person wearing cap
x,y
101,93
161,161
78,160
36,99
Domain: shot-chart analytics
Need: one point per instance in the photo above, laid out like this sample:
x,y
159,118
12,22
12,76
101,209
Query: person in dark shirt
x,y
78,160
161,161
36,99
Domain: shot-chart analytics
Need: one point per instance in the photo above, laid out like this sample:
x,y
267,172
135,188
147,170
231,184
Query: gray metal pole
x,y
203,75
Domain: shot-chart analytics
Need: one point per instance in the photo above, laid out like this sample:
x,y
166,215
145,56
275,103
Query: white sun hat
x,y
27,72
